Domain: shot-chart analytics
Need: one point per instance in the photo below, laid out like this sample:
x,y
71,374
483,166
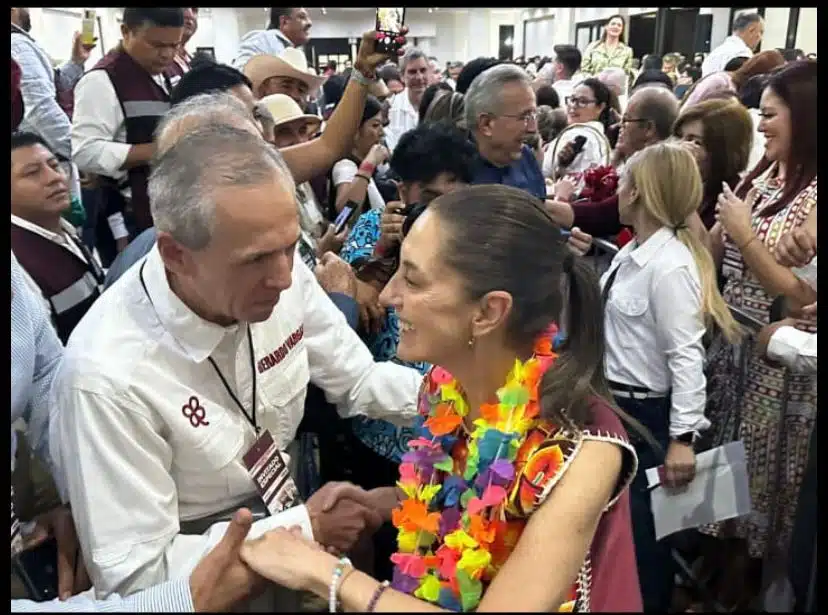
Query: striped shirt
x,y
169,597
43,113
36,352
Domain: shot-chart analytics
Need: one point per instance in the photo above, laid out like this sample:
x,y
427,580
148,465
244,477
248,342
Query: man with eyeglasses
x,y
650,114
500,114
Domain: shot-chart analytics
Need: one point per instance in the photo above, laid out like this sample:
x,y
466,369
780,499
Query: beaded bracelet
x,y
375,598
336,579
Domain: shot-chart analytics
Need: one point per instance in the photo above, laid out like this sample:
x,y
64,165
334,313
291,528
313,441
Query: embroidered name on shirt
x,y
278,355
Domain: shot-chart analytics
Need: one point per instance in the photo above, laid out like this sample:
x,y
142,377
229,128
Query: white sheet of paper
x,y
719,491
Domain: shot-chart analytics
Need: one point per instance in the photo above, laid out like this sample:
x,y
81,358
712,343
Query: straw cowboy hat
x,y
290,63
284,109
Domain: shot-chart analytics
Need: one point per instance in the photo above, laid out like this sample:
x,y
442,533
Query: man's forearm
x,y
139,155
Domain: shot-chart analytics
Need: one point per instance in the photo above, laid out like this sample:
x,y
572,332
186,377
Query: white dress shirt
x,y
99,133
61,239
564,89
402,117
653,326
135,464
732,47
795,349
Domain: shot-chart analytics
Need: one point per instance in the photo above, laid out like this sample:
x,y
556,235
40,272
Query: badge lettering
x,y
271,475
277,356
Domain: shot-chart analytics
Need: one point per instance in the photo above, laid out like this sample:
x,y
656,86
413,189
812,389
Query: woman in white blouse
x,y
660,294
352,178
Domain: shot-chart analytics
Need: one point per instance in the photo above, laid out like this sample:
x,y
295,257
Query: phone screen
x,y
342,219
389,23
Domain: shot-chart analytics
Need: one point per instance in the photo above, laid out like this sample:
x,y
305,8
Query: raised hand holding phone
x,y
389,26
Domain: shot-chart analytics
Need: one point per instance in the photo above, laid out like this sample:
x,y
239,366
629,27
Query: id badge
x,y
269,470
16,535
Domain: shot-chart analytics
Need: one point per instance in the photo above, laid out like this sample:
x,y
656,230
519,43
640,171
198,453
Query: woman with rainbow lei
x,y
513,496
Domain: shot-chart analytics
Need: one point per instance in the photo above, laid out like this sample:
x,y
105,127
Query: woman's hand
x,y
377,155
369,57
735,216
286,557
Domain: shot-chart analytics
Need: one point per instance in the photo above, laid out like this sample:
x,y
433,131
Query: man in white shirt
x,y
289,27
563,69
748,30
117,106
404,113
207,343
57,266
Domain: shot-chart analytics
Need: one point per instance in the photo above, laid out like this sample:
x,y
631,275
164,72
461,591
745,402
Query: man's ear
x,y
175,256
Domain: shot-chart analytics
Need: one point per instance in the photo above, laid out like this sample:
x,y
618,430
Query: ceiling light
x,y
324,11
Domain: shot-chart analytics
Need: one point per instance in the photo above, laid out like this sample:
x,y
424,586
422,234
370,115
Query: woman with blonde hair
x,y
721,133
661,296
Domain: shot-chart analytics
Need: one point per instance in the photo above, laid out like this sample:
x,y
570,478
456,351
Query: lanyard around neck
x,y
250,417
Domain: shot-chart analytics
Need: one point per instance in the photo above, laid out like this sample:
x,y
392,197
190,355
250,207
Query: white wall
x,y
776,27
53,27
806,33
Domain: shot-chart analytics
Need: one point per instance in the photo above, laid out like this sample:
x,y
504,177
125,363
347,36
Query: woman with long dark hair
x,y
775,411
514,496
611,50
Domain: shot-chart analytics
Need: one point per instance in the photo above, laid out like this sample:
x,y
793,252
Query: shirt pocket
x,y
631,319
283,390
203,457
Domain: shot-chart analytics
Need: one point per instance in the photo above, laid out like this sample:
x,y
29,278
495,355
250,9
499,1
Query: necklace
x,y
461,516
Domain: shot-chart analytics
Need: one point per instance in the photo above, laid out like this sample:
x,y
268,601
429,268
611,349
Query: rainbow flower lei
x,y
453,532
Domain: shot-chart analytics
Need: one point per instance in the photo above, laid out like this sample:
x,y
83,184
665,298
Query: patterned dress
x,y
776,445
380,436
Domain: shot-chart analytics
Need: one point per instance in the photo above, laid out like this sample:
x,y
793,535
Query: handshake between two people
x,y
238,569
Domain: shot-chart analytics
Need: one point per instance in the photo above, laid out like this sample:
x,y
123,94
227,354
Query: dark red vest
x,y
69,285
143,103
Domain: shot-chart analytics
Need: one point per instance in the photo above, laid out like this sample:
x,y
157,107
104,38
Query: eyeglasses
x,y
526,118
574,101
634,120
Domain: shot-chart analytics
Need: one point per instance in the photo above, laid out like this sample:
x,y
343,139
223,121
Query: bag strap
x,y
559,142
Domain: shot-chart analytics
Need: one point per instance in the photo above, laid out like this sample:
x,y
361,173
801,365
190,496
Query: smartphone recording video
x,y
389,24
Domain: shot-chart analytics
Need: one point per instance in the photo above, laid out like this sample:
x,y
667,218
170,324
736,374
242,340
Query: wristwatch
x,y
686,438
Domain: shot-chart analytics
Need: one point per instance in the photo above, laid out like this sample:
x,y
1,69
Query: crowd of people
x,y
291,337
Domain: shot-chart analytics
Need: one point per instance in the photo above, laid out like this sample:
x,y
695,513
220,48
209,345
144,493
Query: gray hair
x,y
411,54
613,76
743,21
483,95
196,165
201,109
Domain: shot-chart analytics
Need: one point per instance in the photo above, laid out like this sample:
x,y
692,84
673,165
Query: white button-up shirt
x,y
732,47
134,462
259,42
653,326
402,117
